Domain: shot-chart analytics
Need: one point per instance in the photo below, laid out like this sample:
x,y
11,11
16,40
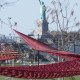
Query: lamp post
x,y
38,51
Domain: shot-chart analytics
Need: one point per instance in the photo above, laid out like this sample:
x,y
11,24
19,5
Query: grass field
x,y
68,78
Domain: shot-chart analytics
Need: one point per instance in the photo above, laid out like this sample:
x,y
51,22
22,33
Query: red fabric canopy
x,y
55,70
37,45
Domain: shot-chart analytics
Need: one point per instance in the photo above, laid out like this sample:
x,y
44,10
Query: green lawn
x,y
15,64
68,78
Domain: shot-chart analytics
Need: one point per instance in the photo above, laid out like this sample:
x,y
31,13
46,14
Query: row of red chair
x,y
62,69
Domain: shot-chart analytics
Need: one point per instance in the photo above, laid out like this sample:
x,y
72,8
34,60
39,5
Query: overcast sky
x,y
26,13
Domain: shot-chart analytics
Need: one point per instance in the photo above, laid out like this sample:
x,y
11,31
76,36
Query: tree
x,y
4,4
64,20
